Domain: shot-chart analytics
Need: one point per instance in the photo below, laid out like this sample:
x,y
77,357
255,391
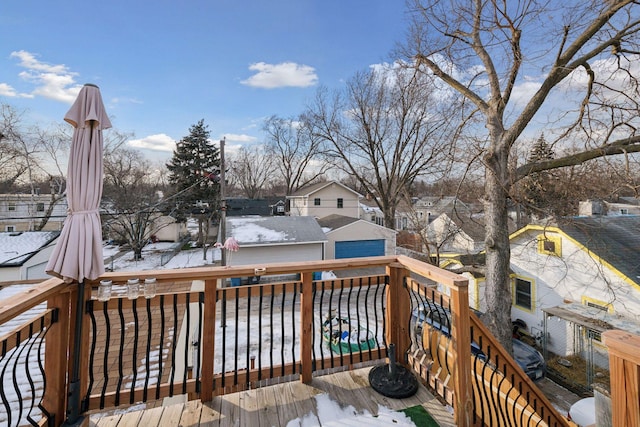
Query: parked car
x,y
438,317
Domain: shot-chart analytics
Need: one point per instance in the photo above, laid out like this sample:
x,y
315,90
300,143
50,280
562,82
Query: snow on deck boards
x,y
293,403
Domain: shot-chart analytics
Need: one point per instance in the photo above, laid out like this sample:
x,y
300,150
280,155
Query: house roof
x,y
18,248
333,222
255,230
613,239
243,207
310,189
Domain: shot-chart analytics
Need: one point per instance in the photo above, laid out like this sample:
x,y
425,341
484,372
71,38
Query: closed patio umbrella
x,y
78,253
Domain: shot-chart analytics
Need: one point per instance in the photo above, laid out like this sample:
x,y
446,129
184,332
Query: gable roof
x,y
615,240
334,222
18,248
310,189
256,230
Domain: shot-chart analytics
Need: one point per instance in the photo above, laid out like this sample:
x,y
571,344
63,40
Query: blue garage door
x,y
359,248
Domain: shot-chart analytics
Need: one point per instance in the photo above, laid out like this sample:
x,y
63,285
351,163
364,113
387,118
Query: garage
x,y
359,248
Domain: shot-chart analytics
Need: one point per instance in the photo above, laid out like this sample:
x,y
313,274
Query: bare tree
x,y
385,129
131,197
295,151
491,52
251,169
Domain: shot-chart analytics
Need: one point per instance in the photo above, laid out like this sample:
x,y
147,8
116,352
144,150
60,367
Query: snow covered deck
x,y
343,398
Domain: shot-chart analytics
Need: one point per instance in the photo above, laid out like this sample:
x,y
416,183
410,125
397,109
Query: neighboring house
x,y
24,212
166,229
324,199
24,255
623,206
352,237
456,234
427,208
590,261
271,239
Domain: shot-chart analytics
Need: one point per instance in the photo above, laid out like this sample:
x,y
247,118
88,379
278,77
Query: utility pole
x,y
223,204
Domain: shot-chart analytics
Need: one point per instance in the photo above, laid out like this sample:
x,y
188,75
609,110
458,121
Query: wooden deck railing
x,y
198,337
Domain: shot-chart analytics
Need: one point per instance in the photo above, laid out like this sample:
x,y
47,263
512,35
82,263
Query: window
x,y
550,245
9,229
595,303
40,207
624,211
316,201
522,294
340,203
12,206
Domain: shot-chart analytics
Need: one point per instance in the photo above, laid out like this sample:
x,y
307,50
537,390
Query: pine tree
x,y
539,191
194,175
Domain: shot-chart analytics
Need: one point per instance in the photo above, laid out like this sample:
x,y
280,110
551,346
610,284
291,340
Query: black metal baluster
x,y
92,351
235,349
134,364
198,373
271,331
44,411
330,324
174,344
120,353
163,327
17,352
223,316
321,329
284,293
260,333
187,340
32,387
248,355
105,359
148,358
293,326
5,401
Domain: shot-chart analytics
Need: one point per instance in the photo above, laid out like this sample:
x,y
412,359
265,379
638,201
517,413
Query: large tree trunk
x,y
498,289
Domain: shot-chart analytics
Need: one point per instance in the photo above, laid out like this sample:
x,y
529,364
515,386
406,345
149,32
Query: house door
x,y
359,248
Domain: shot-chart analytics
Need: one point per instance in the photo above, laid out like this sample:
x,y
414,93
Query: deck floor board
x,y
274,406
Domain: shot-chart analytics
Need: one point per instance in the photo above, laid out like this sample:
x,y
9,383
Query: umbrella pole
x,y
73,404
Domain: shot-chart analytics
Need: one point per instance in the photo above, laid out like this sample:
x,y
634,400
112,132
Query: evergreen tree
x,y
194,175
539,187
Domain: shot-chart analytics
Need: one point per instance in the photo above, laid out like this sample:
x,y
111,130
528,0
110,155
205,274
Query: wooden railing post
x,y
306,326
624,367
56,362
398,312
208,340
461,342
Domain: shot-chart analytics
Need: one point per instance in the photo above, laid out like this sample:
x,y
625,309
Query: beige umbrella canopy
x,y
78,252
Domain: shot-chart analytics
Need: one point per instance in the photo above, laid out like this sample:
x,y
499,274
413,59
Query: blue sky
x,y
164,65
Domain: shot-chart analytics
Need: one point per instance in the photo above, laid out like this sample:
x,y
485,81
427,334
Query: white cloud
x,y
55,82
233,137
286,74
6,90
158,142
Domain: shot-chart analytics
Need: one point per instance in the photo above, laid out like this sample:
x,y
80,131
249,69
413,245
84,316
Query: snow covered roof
x,y
254,230
17,248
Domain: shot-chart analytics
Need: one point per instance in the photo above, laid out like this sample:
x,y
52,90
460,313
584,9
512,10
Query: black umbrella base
x,y
399,385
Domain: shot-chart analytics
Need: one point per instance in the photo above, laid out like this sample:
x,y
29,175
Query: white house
x,y
349,237
324,199
24,255
24,212
590,261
